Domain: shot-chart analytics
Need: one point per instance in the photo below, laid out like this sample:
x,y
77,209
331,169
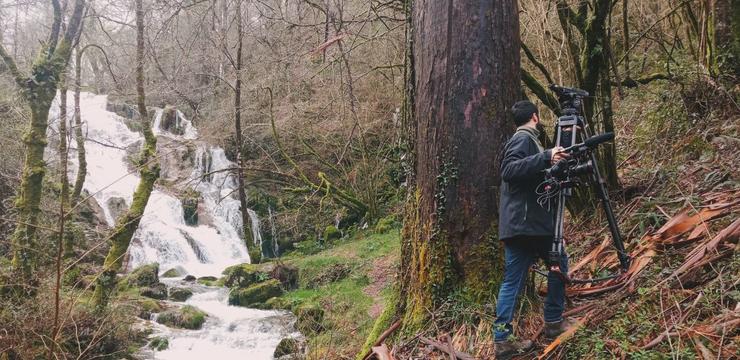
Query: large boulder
x,y
189,203
157,291
171,121
255,294
145,275
172,273
180,294
186,317
331,233
244,275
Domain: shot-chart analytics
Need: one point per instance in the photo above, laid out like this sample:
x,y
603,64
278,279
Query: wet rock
x,y
91,212
123,110
171,273
288,347
148,307
189,203
145,275
287,275
207,280
255,294
277,303
189,278
159,343
310,319
180,294
244,275
157,291
171,121
116,206
186,317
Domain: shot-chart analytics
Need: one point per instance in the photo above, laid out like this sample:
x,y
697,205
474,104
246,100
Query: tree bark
x,y
465,82
38,91
254,249
148,169
79,137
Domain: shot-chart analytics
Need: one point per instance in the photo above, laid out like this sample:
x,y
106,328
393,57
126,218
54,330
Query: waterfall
x,y
203,249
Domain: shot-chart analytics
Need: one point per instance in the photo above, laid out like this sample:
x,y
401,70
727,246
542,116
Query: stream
x,y
203,249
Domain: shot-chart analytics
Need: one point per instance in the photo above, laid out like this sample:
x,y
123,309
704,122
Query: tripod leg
x,y
598,182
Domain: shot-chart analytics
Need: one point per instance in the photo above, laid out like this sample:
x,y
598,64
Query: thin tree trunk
x,y
79,137
255,253
465,83
149,171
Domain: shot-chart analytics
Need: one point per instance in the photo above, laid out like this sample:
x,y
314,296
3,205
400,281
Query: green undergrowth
x,y
352,303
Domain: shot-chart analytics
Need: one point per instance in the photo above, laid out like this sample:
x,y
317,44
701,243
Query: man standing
x,y
526,228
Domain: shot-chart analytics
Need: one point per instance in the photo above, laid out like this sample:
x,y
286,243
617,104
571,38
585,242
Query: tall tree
x,y
253,248
148,169
464,83
38,91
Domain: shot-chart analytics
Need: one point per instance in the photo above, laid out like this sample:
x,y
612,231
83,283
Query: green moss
x,y
186,317
147,307
179,294
386,224
244,275
159,343
145,275
189,203
384,321
278,303
157,291
210,281
171,273
331,233
255,294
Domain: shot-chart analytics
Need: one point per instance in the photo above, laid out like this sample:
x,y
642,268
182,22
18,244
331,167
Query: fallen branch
x,y
382,338
447,349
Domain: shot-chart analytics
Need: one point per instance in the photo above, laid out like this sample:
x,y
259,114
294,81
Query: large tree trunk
x,y
148,169
79,137
466,66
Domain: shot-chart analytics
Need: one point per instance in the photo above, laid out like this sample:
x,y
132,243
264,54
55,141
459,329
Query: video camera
x,y
579,162
571,99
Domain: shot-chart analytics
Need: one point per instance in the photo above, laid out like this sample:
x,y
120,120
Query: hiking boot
x,y
508,348
554,329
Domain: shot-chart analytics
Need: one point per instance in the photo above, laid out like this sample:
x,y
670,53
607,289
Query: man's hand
x,y
557,154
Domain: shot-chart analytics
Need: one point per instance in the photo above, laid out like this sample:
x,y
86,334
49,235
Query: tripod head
x,y
571,99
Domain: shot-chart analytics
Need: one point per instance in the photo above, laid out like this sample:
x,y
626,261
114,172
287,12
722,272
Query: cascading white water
x,y
164,237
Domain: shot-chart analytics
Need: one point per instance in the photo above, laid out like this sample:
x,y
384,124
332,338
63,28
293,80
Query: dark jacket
x,y
521,172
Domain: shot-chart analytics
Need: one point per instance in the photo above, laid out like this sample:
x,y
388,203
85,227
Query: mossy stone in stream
x,y
159,343
208,280
277,303
186,317
255,294
147,307
310,319
180,294
145,275
171,273
157,291
244,275
189,278
287,346
189,203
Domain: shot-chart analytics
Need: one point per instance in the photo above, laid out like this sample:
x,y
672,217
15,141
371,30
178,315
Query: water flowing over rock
x,y
203,247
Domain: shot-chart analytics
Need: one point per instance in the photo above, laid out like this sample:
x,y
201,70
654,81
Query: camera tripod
x,y
570,128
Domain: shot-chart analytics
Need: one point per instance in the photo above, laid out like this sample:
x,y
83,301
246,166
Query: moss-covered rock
x,y
287,346
148,307
157,291
209,281
171,273
145,275
255,294
278,303
159,343
310,319
287,275
331,233
385,224
180,294
244,275
186,317
188,278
